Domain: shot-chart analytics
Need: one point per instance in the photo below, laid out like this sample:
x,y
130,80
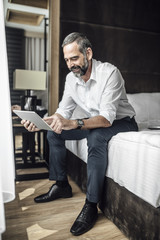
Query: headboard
x,y
124,33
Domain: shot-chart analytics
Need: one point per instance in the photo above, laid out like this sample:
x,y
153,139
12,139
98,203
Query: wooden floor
x,y
26,220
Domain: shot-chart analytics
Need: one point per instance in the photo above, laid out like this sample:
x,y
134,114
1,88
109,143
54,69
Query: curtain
x,y
7,168
34,54
34,60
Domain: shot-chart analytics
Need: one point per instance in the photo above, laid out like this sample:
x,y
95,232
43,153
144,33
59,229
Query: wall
x,y
125,33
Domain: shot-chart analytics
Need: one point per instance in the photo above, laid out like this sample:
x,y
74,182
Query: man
x,y
98,89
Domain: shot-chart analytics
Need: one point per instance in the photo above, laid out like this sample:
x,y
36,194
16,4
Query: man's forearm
x,y
58,123
96,122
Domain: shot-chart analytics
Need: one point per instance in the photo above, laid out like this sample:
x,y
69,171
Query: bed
x,y
131,196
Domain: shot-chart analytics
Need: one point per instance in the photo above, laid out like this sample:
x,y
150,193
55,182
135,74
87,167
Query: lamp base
x,y
28,102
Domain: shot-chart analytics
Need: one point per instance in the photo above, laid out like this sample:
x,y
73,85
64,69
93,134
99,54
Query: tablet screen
x,y
34,118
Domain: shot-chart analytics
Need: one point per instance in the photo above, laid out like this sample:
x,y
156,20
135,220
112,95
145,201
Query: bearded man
x,y
98,89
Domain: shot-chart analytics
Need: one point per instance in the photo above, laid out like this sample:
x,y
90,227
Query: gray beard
x,y
78,75
83,69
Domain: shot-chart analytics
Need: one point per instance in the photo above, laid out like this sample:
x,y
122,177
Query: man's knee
x,y
99,136
55,139
95,138
51,136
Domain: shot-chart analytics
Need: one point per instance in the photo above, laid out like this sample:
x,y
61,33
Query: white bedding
x,y
134,162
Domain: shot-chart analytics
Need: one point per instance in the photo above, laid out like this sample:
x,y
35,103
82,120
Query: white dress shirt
x,y
103,94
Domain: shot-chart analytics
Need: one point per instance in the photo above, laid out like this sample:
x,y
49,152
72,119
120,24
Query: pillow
x,y
147,108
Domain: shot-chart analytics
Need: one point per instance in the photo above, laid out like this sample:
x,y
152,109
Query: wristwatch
x,y
80,123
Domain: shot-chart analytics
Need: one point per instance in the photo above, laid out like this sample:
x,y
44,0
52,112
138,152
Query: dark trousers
x,y
97,141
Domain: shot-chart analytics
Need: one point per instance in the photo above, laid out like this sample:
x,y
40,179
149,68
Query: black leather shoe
x,y
85,220
55,192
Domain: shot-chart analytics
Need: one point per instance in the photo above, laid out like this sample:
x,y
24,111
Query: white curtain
x,y
34,60
34,53
7,168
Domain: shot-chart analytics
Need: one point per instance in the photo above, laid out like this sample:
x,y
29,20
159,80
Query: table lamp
x,y
29,80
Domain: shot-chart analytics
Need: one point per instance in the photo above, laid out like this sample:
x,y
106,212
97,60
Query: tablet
x,y
33,117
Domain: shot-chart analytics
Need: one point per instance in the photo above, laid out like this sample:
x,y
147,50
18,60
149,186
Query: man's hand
x,y
59,123
15,107
56,122
29,126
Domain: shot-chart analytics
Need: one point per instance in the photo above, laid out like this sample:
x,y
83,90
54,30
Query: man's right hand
x,y
29,126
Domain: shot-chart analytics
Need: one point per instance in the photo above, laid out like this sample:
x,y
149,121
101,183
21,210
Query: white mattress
x,y
134,162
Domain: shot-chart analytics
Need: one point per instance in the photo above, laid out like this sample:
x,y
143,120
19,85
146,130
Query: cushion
x,y
147,108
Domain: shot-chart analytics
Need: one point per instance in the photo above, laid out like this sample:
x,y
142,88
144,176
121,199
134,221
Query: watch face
x,y
80,123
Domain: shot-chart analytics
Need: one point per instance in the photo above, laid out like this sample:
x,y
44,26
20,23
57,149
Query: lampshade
x,y
29,80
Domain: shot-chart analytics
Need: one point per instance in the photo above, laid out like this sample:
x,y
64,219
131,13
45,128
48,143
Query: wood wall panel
x,y
135,53
134,14
53,68
124,33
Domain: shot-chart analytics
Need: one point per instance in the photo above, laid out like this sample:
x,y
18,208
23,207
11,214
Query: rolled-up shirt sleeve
x,y
111,96
67,104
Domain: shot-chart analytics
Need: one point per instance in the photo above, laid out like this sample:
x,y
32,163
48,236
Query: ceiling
x,y
26,14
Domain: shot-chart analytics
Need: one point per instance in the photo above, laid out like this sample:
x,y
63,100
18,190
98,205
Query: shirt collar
x,y
93,72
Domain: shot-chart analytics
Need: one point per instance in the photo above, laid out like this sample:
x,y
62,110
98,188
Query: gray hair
x,y
80,39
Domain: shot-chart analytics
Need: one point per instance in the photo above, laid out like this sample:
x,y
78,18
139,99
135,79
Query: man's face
x,y
75,60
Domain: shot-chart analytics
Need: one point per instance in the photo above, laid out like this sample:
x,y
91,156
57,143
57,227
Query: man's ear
x,y
89,53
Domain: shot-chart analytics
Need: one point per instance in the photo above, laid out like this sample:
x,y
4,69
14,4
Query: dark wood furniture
x,y
29,156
